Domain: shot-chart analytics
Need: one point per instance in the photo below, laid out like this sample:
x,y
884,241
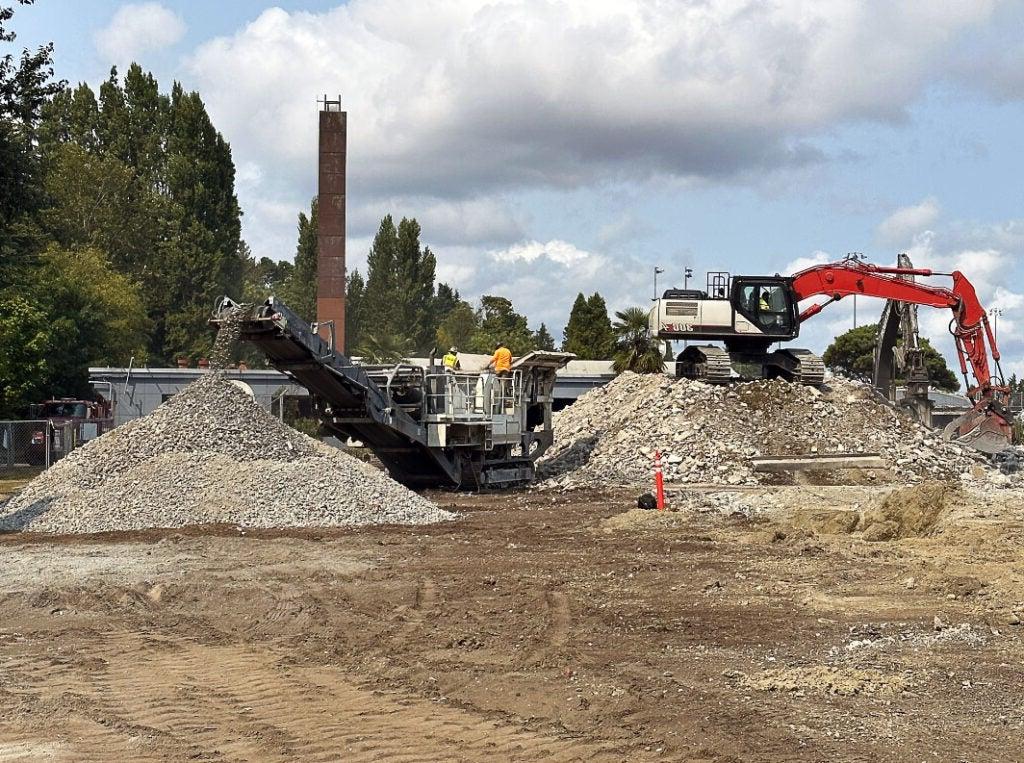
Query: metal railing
x,y
39,443
472,397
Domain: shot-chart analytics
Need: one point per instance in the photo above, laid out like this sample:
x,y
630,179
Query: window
x,y
767,306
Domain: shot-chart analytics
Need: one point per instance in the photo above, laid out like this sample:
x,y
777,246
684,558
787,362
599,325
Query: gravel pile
x,y
710,433
210,454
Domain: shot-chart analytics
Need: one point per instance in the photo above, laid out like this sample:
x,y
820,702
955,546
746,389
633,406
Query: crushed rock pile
x,y
210,454
709,433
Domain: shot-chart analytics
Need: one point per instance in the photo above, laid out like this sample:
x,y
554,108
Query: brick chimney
x,y
330,300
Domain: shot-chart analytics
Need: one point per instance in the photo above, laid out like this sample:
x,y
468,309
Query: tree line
x,y
400,310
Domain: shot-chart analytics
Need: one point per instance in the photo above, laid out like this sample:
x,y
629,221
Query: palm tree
x,y
635,349
384,348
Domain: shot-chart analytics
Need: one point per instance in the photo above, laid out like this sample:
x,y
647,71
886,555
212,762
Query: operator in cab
x,y
502,360
451,360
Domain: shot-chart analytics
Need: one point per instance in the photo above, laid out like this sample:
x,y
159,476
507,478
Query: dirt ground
x,y
537,627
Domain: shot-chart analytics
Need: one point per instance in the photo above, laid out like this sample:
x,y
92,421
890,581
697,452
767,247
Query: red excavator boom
x,y
969,327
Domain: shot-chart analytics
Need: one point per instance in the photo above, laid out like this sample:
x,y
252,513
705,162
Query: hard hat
x,y
454,349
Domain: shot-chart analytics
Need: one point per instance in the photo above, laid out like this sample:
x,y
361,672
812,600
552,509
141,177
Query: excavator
x,y
748,314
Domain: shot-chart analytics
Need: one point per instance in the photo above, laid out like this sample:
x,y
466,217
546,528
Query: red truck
x,y
89,419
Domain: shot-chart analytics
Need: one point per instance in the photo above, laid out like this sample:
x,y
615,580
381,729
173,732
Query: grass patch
x,y
13,480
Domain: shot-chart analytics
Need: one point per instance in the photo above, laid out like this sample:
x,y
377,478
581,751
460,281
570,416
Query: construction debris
x,y
712,433
210,455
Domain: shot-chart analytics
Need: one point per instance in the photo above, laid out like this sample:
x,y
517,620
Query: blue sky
x,y
549,148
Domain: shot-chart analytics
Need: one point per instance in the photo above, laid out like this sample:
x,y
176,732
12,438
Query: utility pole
x,y
657,271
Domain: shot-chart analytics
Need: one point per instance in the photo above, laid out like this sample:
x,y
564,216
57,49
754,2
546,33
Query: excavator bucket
x,y
981,428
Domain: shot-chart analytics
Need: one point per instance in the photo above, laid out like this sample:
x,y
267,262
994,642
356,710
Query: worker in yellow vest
x,y
451,360
502,360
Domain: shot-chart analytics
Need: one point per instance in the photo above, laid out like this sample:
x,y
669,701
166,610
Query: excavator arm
x,y
990,418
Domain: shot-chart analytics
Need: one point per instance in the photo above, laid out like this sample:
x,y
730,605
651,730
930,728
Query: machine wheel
x,y
704,363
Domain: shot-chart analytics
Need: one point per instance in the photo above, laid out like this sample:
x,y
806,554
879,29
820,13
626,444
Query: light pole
x,y
687,275
995,312
657,272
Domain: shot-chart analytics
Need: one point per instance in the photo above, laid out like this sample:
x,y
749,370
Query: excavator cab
x,y
768,304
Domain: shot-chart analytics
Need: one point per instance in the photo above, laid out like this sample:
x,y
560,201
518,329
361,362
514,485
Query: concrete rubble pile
x,y
709,433
210,454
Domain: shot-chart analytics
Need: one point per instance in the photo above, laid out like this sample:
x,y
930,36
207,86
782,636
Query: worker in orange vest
x,y
502,360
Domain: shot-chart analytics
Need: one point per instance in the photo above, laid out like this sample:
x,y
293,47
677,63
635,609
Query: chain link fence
x,y
30,445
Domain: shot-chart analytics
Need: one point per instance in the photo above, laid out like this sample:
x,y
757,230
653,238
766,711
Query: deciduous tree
x,y
458,328
499,322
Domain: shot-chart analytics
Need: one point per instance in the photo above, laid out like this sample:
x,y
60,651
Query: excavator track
x,y
705,363
798,366
812,367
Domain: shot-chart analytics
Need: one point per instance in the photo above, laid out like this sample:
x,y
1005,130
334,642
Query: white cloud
x,y
560,252
447,98
899,227
802,263
543,278
139,28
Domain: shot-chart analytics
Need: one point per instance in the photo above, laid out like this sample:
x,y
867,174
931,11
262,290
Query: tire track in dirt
x,y
557,604
56,710
424,603
556,632
226,702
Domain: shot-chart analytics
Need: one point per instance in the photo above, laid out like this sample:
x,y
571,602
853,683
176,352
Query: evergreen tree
x,y
602,337
589,333
446,300
300,290
381,295
416,273
543,340
355,299
400,297
574,334
263,278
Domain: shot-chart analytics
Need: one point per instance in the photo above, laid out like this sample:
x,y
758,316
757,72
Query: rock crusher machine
x,y
430,427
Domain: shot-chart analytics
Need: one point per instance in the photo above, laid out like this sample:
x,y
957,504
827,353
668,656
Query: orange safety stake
x,y
659,481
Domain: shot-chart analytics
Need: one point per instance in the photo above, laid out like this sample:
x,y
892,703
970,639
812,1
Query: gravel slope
x,y
210,454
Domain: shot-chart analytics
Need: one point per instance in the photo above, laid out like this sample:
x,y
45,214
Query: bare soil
x,y
534,628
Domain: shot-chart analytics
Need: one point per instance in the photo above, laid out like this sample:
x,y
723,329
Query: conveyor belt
x,y
348,401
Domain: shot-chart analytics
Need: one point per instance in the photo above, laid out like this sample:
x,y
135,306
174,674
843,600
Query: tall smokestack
x,y
330,298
